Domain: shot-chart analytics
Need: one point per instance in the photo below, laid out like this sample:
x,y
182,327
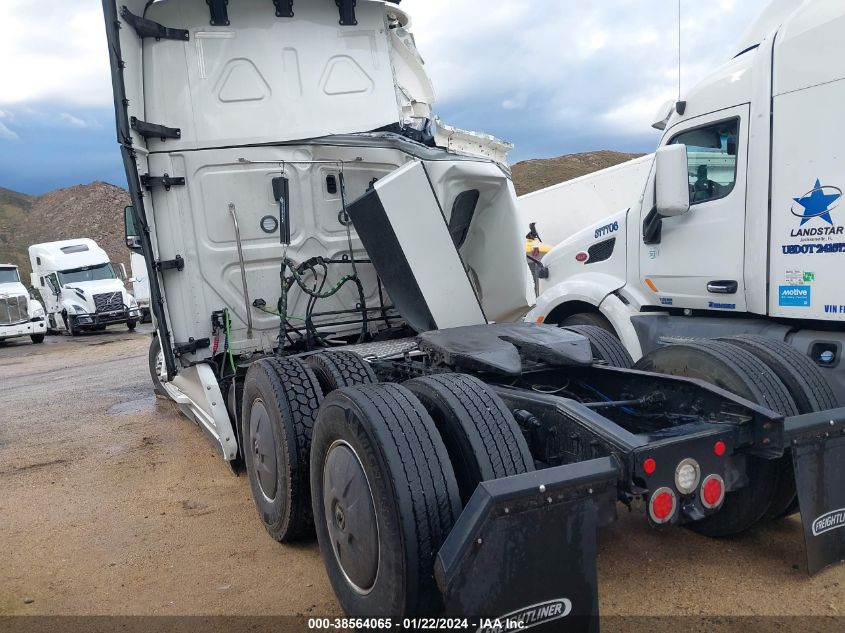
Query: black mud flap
x,y
523,552
818,454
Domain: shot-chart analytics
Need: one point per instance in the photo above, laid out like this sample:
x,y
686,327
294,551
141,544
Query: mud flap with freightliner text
x,y
522,555
818,454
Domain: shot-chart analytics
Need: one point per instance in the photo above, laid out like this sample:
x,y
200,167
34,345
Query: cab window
x,y
711,159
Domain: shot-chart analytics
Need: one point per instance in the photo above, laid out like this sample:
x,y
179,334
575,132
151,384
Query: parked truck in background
x,y
738,227
81,289
338,282
20,315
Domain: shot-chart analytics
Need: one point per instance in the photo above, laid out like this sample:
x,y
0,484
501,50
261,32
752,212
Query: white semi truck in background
x,y
20,315
81,289
338,283
737,227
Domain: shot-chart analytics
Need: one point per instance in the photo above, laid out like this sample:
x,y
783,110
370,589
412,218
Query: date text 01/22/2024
x,y
417,624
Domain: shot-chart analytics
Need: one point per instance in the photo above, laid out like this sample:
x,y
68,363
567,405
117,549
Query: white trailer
x,y
80,287
563,209
738,228
20,315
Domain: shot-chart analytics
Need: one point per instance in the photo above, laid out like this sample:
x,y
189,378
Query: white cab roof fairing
x,y
268,79
767,22
53,258
728,86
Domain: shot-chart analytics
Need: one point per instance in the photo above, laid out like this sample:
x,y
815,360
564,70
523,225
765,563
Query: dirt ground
x,y
112,503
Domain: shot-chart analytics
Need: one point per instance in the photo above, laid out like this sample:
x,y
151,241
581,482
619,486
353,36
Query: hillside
x,y
531,175
94,210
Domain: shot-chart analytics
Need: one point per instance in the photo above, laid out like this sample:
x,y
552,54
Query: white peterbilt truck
x,y
20,315
737,226
80,287
338,280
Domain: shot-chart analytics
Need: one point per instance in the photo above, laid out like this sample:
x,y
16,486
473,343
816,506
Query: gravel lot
x,y
114,504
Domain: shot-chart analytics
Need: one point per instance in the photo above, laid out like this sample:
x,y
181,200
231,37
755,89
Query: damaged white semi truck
x,y
337,283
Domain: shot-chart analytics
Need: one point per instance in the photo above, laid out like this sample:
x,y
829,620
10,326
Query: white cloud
x,y
53,50
598,69
5,131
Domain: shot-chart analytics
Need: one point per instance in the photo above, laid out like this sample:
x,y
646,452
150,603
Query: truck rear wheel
x,y
606,347
741,373
280,401
594,319
385,499
155,359
481,436
337,368
811,393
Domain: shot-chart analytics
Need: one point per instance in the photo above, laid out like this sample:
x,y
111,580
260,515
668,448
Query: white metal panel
x,y
810,49
757,196
563,210
494,250
808,216
266,79
421,230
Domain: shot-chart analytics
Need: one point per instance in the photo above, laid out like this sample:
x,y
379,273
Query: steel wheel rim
x,y
262,445
351,517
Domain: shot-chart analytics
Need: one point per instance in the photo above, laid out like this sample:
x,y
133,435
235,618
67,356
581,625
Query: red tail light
x,y
649,466
719,448
662,505
712,492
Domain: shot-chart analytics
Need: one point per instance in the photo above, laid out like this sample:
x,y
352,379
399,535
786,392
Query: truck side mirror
x,y
672,181
131,234
33,280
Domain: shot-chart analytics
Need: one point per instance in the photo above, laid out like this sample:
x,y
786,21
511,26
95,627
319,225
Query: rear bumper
x,y
25,328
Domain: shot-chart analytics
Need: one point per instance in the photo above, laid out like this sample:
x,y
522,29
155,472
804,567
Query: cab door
x,y
697,261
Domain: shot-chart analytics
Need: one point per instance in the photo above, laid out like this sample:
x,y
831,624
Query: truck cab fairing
x,y
347,105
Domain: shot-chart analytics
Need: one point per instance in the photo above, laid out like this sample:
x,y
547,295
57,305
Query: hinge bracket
x,y
219,12
191,346
284,8
166,181
153,130
147,28
347,12
171,264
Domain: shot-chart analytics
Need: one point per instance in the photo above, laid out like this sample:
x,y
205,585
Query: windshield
x,y
9,276
87,273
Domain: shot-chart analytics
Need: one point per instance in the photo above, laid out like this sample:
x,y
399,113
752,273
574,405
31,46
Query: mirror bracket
x,y
652,227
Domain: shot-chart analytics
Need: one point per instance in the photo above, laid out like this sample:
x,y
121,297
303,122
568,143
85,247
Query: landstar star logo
x,y
816,203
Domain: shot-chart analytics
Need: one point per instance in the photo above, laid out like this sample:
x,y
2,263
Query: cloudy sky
x,y
551,76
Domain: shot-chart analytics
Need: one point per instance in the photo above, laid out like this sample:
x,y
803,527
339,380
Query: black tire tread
x,y
297,391
427,479
336,369
606,347
505,449
808,385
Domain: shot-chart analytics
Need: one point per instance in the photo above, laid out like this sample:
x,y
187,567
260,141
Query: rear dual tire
x,y
376,449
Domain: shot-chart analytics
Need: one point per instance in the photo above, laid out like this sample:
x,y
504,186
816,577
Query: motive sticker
x,y
795,296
